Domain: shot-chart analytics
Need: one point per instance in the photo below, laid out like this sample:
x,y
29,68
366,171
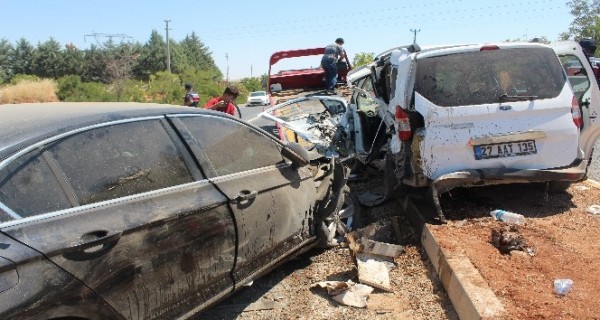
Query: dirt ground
x,y
563,237
285,293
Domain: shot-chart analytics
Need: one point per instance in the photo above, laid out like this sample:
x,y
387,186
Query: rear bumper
x,y
482,177
485,177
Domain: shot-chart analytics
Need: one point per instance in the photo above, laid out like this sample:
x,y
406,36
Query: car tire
x,y
332,229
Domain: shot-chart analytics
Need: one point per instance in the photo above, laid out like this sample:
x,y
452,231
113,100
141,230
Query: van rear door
x,y
485,107
585,85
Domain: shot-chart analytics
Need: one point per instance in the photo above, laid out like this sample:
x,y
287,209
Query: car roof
x,y
30,122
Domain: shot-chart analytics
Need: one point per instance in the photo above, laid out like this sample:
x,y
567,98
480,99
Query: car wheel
x,y
334,227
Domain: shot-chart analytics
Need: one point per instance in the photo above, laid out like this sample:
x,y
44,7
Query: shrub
x,y
29,91
70,88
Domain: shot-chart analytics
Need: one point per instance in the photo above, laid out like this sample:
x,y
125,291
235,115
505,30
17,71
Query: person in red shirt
x,y
224,103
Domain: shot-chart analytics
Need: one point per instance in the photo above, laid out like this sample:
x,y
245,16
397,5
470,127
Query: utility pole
x,y
227,60
250,71
414,31
168,47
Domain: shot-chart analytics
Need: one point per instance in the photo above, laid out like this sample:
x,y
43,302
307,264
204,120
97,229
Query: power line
x,y
110,36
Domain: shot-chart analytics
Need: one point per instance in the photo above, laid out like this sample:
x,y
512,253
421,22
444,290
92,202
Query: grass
x,y
29,91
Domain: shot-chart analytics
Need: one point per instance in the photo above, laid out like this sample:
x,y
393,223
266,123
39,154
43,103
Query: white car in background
x,y
459,116
258,98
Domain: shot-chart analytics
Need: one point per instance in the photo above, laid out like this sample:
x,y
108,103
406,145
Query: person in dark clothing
x,y
333,53
191,98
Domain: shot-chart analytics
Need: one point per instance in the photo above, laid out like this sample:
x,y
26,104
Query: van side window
x,y
576,74
28,187
120,160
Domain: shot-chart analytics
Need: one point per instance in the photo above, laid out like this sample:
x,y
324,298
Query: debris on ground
x,y
562,286
508,238
374,258
374,270
347,293
370,199
594,209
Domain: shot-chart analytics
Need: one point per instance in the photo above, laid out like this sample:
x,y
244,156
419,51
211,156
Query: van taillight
x,y
576,112
403,124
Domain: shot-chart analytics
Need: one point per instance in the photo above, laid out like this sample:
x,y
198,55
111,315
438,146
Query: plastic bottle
x,y
562,286
508,217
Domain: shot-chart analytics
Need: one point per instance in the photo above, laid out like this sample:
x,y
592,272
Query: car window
x,y
28,187
482,77
576,74
120,160
258,94
231,146
366,102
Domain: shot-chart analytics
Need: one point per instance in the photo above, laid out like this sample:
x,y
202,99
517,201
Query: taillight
x,y
576,112
404,132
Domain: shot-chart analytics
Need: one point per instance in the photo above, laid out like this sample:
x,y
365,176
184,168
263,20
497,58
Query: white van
x,y
460,116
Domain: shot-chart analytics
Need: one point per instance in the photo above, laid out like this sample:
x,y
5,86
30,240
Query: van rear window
x,y
482,77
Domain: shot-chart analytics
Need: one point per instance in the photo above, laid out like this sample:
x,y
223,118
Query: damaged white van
x,y
459,116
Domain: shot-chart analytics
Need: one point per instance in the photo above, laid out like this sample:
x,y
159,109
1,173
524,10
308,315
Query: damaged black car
x,y
131,211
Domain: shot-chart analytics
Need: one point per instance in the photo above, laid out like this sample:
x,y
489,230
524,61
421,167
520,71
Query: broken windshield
x,y
479,77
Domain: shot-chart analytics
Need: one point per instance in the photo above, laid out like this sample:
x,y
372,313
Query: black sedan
x,y
146,211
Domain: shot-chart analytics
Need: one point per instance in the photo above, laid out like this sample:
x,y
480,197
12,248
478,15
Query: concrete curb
x,y
468,291
592,183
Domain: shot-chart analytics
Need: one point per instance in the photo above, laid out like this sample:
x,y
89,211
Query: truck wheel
x,y
332,229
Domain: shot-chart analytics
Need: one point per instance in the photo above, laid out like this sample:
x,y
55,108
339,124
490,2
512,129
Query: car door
x,y
584,84
272,199
315,122
131,217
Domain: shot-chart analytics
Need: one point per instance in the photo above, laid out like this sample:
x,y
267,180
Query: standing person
x,y
333,53
224,103
191,98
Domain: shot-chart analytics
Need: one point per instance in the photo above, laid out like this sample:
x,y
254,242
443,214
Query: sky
x,y
242,35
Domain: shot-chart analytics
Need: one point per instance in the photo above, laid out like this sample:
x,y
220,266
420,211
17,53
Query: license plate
x,y
500,150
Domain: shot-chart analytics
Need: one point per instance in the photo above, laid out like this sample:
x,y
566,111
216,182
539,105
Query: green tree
x,y
94,65
120,61
48,60
73,60
23,57
6,53
361,59
196,55
587,20
153,57
251,84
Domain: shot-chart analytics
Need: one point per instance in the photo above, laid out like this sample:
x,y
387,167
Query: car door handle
x,y
246,195
93,244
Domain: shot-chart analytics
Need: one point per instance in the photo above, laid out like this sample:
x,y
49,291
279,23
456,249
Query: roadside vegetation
x,y
110,71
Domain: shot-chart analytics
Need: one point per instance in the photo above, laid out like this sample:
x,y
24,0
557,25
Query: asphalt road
x,y
250,113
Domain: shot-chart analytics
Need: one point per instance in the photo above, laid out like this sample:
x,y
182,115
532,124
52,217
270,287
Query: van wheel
x,y
554,187
345,218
